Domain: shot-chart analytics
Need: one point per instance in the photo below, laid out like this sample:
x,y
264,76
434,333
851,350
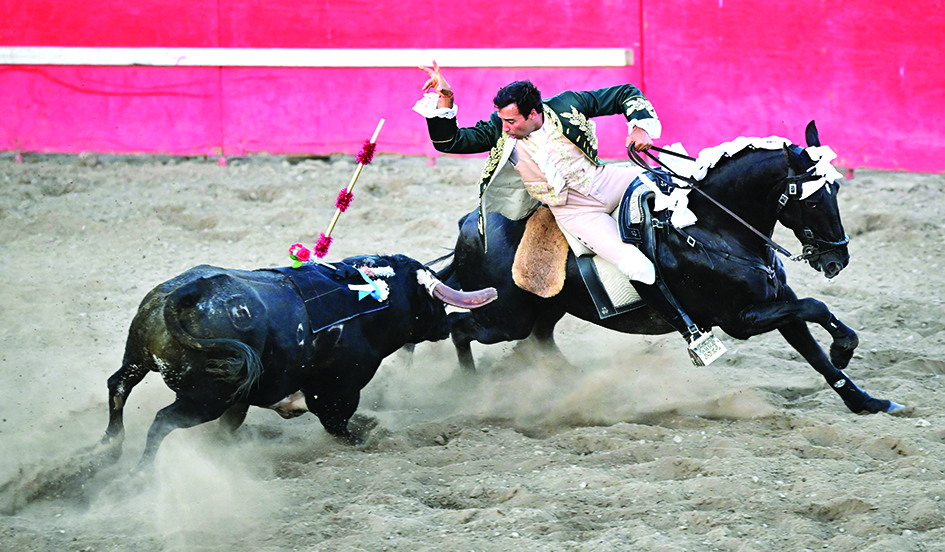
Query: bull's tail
x,y
238,363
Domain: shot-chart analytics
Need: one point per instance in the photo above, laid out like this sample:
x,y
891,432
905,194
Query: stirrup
x,y
704,348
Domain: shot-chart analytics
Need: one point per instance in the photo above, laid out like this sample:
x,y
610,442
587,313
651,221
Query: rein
x,y
638,160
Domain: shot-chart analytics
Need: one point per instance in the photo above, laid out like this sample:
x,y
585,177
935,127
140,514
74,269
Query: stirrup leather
x,y
704,348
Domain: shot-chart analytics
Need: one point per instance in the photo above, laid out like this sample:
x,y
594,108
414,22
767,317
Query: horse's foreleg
x,y
543,332
798,336
790,318
763,318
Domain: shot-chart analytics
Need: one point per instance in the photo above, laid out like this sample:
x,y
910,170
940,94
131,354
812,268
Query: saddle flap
x,y
610,290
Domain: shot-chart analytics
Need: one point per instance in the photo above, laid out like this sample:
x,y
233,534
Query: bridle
x,y
813,247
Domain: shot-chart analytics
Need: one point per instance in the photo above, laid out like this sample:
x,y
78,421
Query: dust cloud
x,y
617,444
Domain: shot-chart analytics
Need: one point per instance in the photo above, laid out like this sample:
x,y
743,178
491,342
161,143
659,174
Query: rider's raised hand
x,y
437,83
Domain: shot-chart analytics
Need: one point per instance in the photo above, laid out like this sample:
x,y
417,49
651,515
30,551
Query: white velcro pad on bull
x,y
616,284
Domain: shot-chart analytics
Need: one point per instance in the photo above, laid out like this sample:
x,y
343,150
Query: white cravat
x,y
540,138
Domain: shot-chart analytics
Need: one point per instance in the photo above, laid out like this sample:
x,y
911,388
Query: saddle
x,y
539,265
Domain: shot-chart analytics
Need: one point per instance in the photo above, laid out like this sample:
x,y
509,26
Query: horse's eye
x,y
811,204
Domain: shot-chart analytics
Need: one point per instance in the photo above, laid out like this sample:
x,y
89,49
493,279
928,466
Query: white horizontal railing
x,y
308,57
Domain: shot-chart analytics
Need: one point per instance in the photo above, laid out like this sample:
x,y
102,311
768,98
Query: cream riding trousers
x,y
588,218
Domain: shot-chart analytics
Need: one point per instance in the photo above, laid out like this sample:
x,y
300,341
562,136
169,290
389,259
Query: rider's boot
x,y
703,346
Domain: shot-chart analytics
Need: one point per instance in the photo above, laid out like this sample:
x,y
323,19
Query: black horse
x,y
720,270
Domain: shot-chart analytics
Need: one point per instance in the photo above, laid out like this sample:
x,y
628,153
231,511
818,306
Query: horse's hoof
x,y
898,409
840,356
875,406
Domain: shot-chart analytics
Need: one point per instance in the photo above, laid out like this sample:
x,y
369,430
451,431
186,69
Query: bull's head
x,y
427,296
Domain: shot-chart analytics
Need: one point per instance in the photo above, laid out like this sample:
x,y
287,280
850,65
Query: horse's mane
x,y
743,164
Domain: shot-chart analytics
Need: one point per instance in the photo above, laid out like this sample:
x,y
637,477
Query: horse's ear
x,y
812,136
793,158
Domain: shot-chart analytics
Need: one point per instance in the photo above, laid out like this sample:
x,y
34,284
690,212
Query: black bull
x,y
729,279
225,339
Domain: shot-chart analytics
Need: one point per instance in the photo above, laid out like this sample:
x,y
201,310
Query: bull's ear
x,y
811,135
327,339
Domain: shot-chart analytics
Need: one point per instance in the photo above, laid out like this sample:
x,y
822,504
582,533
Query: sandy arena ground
x,y
625,446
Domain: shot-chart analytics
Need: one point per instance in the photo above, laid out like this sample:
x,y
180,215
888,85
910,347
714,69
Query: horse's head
x,y
810,205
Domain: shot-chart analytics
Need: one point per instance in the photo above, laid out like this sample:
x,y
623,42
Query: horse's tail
x,y
447,274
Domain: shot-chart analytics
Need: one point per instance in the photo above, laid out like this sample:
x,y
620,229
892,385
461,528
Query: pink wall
x,y
871,72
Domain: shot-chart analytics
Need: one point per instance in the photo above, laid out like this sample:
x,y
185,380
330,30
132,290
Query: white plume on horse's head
x,y
822,156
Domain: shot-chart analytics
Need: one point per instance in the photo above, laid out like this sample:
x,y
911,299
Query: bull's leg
x,y
180,414
232,419
763,318
120,385
334,408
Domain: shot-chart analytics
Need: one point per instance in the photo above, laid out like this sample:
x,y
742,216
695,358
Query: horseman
x,y
545,152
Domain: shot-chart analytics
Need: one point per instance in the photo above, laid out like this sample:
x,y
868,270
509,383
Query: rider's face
x,y
515,124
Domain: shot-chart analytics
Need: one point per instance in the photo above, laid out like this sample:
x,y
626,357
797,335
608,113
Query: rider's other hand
x,y
640,139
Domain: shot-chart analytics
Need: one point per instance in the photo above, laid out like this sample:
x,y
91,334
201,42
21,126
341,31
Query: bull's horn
x,y
455,297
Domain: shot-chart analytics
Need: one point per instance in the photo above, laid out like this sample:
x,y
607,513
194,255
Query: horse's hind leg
x,y
462,339
543,332
233,418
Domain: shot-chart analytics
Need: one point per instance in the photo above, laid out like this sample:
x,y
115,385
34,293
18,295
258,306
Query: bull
x,y
225,339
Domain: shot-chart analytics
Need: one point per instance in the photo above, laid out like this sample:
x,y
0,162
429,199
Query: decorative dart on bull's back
x,y
345,196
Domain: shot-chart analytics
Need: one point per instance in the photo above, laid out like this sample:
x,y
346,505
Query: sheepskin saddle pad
x,y
540,260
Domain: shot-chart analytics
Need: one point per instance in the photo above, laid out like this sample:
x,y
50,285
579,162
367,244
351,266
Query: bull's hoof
x,y
360,426
347,438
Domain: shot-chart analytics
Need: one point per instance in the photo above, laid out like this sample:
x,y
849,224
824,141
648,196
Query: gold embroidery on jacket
x,y
639,104
492,163
587,127
553,117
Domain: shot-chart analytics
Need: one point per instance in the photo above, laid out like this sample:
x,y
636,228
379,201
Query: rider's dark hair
x,y
523,94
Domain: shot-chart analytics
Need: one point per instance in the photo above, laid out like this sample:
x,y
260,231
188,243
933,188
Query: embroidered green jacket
x,y
500,188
